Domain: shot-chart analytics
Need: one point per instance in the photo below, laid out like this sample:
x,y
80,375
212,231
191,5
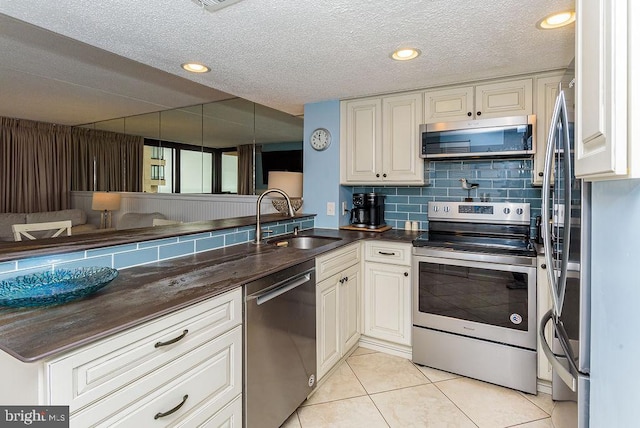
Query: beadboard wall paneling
x,y
179,207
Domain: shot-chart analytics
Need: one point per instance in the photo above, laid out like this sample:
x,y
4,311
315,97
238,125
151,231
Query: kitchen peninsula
x,y
37,342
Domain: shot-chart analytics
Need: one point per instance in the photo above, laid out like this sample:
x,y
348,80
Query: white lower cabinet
x,y
387,292
337,305
182,369
205,377
544,304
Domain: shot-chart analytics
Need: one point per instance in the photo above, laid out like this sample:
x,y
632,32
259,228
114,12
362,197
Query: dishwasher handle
x,y
285,286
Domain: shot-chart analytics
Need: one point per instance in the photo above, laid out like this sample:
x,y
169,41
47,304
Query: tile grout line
x,y
456,405
371,396
528,422
525,396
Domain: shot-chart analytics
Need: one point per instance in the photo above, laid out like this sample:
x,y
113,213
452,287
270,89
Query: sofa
x,y
137,220
78,222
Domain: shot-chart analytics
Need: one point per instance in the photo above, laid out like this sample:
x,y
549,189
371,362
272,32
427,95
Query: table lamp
x,y
291,184
105,202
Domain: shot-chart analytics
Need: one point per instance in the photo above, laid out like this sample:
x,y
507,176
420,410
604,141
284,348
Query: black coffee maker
x,y
368,210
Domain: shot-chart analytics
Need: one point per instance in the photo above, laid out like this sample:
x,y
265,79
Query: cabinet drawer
x,y
230,416
388,252
336,261
82,377
209,376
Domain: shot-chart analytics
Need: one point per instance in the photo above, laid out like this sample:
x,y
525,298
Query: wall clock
x,y
320,139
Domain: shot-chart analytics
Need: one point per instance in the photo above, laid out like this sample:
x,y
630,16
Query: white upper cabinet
x,y
380,140
605,59
401,116
448,105
499,99
512,98
546,93
361,140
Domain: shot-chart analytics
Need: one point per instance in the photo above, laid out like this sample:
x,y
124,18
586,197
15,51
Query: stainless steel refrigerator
x,y
566,207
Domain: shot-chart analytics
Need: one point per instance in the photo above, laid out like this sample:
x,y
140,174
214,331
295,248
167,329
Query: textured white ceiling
x,y
284,53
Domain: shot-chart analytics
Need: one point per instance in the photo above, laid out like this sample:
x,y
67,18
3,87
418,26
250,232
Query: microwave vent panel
x,y
213,5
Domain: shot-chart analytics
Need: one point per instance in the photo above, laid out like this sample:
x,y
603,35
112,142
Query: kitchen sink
x,y
302,242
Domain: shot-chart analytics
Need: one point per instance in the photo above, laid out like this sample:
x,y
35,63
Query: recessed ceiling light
x,y
557,20
195,67
405,54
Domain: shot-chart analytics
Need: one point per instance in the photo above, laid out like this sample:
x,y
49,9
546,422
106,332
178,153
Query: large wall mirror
x,y
226,146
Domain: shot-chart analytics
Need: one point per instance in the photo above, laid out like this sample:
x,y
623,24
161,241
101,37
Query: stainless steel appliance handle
x,y
571,379
286,286
558,284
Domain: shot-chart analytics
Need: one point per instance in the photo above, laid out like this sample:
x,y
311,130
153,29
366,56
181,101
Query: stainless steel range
x,y
474,293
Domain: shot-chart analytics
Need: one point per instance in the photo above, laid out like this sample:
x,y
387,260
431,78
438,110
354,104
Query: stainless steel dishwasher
x,y
279,344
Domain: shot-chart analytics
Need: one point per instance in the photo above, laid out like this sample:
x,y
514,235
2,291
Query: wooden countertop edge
x,y
144,293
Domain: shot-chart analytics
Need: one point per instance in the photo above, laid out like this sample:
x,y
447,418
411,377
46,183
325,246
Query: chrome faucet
x,y
292,213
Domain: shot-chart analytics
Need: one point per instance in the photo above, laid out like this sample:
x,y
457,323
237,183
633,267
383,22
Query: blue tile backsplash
x,y
500,180
129,255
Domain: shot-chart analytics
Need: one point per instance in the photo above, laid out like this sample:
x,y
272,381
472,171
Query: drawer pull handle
x,y
175,409
169,342
386,254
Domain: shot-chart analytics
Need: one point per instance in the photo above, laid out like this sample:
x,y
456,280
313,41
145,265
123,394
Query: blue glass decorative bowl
x,y
54,288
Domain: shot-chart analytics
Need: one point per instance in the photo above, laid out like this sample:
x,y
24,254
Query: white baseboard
x,y
544,386
402,351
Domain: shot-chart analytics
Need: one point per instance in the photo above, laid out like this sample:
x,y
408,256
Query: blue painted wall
x,y
322,169
615,296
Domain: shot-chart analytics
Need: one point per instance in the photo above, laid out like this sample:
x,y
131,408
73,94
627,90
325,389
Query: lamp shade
x,y
289,182
105,201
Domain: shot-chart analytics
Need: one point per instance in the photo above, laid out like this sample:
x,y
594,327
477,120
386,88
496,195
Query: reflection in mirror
x,y
227,146
148,125
278,141
229,128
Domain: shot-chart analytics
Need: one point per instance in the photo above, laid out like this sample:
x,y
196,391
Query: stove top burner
x,y
486,239
501,229
512,247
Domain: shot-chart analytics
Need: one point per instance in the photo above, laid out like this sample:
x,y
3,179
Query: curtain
x,y
40,163
35,166
105,160
245,169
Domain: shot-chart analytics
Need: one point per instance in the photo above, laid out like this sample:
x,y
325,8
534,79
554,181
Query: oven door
x,y
479,299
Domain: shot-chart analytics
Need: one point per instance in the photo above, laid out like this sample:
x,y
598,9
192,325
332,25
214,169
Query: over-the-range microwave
x,y
502,137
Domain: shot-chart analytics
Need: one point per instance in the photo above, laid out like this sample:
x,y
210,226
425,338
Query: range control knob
x,y
446,209
435,208
519,211
506,210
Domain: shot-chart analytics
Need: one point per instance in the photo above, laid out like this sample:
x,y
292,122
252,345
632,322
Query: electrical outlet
x,y
331,208
344,208
558,214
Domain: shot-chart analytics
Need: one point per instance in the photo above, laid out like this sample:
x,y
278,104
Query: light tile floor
x,y
373,389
